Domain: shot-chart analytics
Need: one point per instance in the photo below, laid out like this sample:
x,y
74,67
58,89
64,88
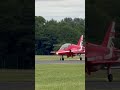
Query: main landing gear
x,y
110,76
61,58
80,57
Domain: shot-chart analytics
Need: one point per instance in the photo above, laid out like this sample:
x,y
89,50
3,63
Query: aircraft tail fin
x,y
80,41
109,36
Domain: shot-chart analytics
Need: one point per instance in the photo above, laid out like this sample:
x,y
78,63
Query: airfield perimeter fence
x,y
16,62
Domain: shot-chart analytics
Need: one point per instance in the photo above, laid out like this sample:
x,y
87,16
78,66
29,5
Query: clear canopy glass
x,y
65,46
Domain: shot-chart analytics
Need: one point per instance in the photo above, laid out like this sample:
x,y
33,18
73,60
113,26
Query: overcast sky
x,y
58,9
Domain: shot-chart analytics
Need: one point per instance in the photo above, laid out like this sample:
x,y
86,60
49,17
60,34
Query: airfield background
x,y
99,13
50,35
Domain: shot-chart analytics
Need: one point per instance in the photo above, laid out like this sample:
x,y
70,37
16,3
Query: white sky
x,y
58,9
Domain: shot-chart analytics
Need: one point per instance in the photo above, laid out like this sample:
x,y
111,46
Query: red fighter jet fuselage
x,y
71,50
105,54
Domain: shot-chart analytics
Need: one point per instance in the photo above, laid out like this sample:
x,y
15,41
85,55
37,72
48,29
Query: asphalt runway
x,y
17,85
99,80
102,85
59,62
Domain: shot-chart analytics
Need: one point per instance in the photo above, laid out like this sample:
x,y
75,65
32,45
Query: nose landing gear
x,y
80,57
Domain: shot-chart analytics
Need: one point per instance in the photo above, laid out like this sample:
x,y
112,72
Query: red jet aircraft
x,y
71,49
106,54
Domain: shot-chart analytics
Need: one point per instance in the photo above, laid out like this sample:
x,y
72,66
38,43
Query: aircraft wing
x,y
77,52
53,52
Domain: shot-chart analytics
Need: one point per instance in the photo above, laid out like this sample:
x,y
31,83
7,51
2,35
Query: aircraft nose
x,y
57,53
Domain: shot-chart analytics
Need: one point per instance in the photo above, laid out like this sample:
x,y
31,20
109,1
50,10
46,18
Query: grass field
x,y
55,57
60,77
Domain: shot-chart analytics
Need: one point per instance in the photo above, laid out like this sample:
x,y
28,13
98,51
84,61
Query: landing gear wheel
x,y
80,58
62,59
110,77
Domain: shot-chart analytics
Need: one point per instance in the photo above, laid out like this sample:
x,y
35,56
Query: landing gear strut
x,y
110,76
80,57
62,58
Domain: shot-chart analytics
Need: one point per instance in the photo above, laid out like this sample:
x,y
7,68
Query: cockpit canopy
x,y
65,46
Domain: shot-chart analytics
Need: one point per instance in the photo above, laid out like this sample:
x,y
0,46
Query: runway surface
x,y
102,85
59,62
98,80
17,85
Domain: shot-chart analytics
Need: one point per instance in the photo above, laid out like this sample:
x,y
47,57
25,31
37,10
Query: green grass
x,y
55,57
60,77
